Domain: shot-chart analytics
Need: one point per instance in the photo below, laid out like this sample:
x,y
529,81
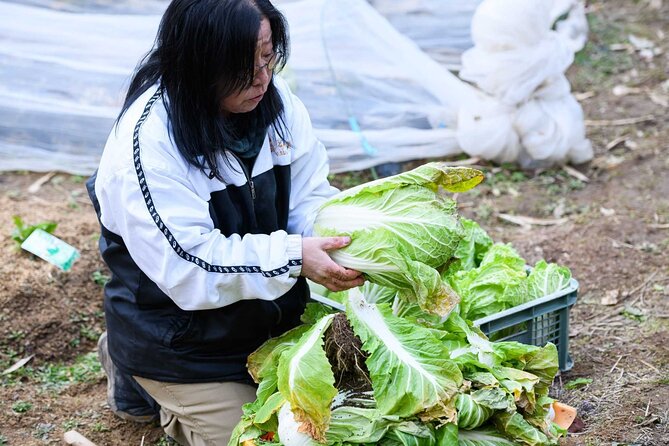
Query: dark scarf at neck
x,y
250,140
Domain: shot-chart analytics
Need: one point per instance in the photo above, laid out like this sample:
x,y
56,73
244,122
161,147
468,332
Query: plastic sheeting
x,y
62,81
374,96
440,28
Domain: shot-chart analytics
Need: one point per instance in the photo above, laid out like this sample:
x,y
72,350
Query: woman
x,y
206,193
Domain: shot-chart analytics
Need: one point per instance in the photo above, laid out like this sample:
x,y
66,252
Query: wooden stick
x,y
74,438
33,188
616,364
615,122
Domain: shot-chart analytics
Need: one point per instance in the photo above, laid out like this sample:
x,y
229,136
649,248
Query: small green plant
x,y
70,424
22,231
633,313
100,278
578,383
100,427
3,440
164,441
87,368
89,333
22,406
16,335
42,430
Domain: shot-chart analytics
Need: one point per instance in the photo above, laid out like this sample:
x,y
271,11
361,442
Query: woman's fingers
x,y
319,267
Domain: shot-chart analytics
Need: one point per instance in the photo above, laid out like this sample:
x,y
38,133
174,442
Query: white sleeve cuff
x,y
294,242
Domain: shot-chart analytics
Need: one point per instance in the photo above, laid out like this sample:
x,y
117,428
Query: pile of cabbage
x,y
403,365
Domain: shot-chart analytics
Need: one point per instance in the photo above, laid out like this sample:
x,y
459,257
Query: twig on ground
x,y
575,173
616,122
584,95
612,144
616,364
643,285
618,244
33,188
527,222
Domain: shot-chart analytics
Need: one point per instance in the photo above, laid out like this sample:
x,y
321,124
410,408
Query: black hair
x,y
205,50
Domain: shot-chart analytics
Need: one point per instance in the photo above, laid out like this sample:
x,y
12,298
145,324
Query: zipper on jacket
x,y
247,174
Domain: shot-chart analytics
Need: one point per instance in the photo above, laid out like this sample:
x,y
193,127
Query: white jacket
x,y
159,205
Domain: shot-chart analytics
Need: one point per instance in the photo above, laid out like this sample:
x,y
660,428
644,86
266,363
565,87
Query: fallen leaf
x,y
575,173
659,98
20,363
611,297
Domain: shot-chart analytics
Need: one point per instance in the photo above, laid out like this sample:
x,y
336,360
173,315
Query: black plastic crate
x,y
536,322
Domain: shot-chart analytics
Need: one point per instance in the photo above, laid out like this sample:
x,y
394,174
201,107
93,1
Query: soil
x,y
608,221
344,351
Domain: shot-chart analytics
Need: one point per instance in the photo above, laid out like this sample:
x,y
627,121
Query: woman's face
x,y
247,99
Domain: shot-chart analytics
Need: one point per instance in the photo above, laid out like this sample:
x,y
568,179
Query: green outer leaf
x,y
491,287
354,424
409,433
267,413
306,381
477,407
430,175
262,363
484,437
471,414
405,356
546,278
22,231
514,426
473,246
447,435
401,231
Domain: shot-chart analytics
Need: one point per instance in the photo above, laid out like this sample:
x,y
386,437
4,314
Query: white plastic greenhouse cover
x,y
374,96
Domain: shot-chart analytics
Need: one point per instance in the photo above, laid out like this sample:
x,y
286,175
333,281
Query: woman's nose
x,y
262,76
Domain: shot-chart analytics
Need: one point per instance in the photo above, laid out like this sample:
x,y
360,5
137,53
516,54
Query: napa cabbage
x,y
402,229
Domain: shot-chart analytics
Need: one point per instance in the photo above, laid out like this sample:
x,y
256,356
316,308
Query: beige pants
x,y
199,414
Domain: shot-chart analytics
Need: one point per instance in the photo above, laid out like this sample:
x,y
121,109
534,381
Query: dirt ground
x,y
608,221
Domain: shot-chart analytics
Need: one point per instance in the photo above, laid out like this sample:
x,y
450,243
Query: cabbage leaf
x,y
402,229
405,356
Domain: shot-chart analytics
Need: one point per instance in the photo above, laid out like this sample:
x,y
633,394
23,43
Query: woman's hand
x,y
319,267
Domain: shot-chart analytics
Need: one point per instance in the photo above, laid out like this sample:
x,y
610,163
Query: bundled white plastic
x,y
529,115
374,96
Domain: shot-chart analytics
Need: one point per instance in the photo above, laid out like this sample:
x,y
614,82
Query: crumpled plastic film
x,y
519,60
374,96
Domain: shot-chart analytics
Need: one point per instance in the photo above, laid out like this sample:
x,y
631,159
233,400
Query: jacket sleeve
x,y
310,187
169,234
